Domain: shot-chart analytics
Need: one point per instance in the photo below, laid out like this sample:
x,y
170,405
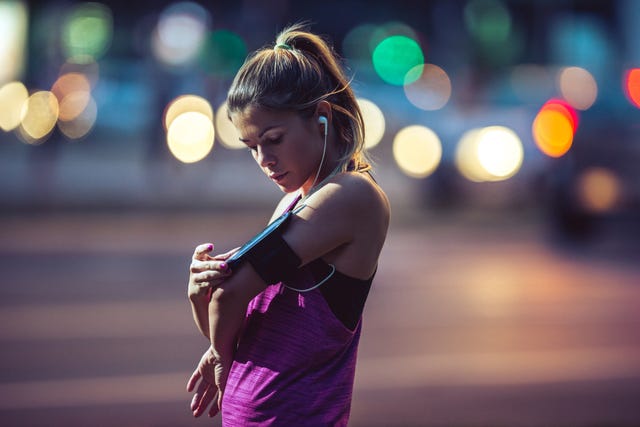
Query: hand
x,y
213,378
206,272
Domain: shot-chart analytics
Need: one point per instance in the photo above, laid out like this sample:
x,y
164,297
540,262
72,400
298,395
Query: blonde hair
x,y
295,74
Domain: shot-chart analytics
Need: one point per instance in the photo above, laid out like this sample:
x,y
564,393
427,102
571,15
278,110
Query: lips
x,y
277,177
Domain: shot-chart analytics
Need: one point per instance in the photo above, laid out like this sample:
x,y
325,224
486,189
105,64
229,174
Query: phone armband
x,y
268,253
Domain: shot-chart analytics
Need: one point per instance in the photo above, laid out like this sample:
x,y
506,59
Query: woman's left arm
x,y
227,309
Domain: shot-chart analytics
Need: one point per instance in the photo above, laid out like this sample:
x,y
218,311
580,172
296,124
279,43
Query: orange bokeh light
x,y
632,86
564,108
554,128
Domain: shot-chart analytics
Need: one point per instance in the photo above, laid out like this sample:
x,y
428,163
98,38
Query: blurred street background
x,y
505,132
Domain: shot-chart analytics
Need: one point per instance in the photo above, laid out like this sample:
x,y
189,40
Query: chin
x,y
287,189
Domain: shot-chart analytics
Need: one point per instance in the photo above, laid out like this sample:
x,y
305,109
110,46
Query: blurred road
x,y
467,325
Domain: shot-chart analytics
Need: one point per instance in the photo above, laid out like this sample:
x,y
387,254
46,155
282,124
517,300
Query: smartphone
x,y
236,258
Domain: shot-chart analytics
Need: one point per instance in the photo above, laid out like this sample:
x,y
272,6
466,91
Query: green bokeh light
x,y
224,53
87,32
488,21
394,58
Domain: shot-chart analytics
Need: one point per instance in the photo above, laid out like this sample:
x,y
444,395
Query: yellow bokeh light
x,y
187,104
40,115
431,91
599,189
578,87
190,136
417,151
467,160
500,152
553,132
13,95
14,21
374,123
81,124
225,130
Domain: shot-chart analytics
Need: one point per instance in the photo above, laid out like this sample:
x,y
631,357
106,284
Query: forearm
x,y
226,316
200,311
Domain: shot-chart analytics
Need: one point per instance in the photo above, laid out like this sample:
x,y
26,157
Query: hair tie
x,y
283,46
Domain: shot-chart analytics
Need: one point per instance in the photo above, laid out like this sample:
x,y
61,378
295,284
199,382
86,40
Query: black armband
x,y
268,253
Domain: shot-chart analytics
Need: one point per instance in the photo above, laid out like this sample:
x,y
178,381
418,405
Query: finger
x,y
226,255
202,250
207,397
210,278
216,406
196,402
193,380
198,266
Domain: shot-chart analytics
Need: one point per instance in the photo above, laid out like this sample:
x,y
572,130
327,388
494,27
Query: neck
x,y
328,169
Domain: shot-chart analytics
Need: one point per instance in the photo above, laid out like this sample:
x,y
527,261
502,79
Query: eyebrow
x,y
265,130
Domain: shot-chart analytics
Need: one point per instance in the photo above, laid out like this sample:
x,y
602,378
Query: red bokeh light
x,y
632,86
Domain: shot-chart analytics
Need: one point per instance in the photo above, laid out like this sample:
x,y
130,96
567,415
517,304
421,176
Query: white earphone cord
x,y
324,152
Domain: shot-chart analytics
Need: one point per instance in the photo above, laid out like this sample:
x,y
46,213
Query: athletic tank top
x,y
296,356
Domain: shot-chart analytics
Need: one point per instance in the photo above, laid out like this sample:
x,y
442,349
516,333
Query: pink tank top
x,y
295,362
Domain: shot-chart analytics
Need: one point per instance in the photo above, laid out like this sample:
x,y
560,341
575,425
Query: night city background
x,y
506,134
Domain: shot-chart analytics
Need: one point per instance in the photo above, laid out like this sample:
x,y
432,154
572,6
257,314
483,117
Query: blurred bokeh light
x,y
398,60
578,87
226,132
374,123
493,153
79,125
73,91
224,53
499,152
14,25
180,33
13,95
190,136
432,90
632,86
39,117
554,128
87,32
417,151
599,189
185,104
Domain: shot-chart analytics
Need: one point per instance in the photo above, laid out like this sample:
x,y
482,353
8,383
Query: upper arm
x,y
347,212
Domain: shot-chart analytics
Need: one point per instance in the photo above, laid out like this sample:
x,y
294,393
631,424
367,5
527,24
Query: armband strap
x,y
273,259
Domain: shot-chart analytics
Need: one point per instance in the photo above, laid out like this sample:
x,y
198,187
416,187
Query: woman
x,y
284,333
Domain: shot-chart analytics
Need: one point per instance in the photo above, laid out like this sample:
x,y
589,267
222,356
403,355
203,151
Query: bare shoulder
x,y
353,195
361,193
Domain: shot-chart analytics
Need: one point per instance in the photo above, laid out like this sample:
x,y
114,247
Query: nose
x,y
265,158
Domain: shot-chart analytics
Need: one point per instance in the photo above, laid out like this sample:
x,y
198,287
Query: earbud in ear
x,y
323,121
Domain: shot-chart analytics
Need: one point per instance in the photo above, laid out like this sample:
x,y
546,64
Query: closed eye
x,y
274,141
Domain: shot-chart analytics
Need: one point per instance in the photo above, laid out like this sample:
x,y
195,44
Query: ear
x,y
323,109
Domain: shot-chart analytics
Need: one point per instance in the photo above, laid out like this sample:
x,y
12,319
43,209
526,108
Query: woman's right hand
x,y
206,272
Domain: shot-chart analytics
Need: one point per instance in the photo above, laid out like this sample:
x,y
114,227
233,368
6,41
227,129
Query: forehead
x,y
258,118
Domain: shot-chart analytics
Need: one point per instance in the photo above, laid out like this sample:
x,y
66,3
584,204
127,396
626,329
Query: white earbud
x,y
323,121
